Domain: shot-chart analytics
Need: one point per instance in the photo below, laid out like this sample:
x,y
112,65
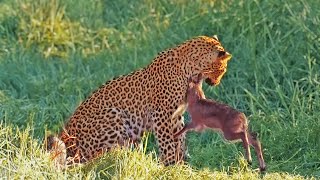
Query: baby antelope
x,y
210,114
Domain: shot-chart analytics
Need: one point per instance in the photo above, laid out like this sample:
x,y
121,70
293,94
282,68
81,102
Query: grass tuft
x,y
24,157
44,24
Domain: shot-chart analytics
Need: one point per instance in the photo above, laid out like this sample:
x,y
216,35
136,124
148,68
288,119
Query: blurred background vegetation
x,y
53,54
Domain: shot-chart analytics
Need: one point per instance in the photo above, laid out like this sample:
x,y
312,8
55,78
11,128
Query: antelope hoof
x,y
263,169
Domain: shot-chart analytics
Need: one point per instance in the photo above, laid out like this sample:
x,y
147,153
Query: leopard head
x,y
208,57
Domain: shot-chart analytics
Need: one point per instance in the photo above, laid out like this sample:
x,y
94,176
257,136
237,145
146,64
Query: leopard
x,y
122,109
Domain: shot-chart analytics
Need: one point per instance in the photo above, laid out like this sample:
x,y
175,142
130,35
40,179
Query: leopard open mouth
x,y
213,79
219,68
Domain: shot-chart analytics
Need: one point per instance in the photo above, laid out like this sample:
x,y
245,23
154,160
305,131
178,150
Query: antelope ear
x,y
215,37
191,84
199,77
193,78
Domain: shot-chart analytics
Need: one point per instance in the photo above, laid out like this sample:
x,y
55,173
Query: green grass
x,y
274,77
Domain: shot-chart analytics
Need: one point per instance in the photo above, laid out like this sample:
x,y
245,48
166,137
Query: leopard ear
x,y
215,37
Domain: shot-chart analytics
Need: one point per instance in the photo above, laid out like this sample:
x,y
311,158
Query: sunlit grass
x,y
44,24
24,157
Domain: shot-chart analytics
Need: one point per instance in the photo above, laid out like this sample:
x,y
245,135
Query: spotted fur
x,y
145,100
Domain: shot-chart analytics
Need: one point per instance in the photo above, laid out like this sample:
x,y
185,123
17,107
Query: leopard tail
x,y
57,149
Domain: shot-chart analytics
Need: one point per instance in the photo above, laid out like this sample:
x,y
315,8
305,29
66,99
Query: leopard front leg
x,y
181,152
171,150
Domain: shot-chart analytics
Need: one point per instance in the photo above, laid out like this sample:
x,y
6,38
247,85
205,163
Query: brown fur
x,y
122,109
210,114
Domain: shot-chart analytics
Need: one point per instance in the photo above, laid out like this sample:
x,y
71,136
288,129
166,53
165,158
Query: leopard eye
x,y
215,37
